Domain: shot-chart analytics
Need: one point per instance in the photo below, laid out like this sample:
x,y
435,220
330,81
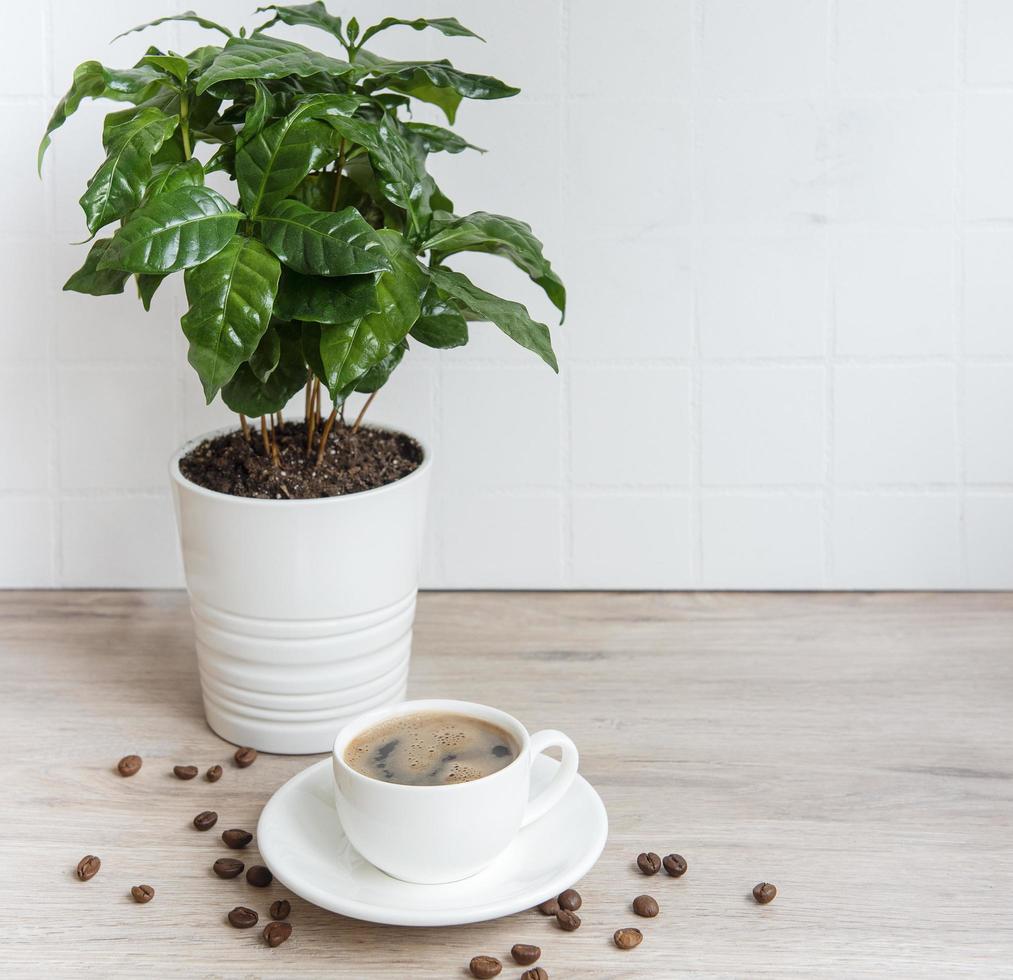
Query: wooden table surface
x,y
856,750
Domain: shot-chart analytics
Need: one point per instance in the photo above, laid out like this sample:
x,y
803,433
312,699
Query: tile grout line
x,y
52,376
565,394
960,391
827,522
697,557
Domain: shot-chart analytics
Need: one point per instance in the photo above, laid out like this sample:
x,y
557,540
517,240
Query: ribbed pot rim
x,y
177,475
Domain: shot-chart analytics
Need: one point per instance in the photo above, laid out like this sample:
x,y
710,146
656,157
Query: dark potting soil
x,y
353,461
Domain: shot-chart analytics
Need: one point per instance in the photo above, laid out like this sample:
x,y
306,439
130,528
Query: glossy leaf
x,y
266,357
431,81
93,280
512,318
146,286
323,243
435,139
497,235
449,26
118,184
379,374
267,58
325,299
231,297
93,80
170,176
440,323
399,163
256,115
172,64
173,231
349,350
189,15
275,161
302,14
247,394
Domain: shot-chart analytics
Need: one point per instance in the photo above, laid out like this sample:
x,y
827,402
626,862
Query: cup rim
x,y
484,712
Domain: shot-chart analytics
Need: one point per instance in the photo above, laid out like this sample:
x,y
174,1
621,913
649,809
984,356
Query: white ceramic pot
x,y
302,609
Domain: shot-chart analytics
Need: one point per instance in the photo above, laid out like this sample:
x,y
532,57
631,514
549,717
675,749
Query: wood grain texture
x,y
856,750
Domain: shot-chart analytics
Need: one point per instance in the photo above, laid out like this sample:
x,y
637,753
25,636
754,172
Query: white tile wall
x,y
788,361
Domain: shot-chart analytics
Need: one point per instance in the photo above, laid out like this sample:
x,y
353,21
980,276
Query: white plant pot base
x,y
302,609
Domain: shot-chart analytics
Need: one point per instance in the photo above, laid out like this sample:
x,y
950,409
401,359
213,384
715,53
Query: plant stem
x,y
245,425
184,123
281,421
314,415
338,174
263,436
274,445
362,411
328,425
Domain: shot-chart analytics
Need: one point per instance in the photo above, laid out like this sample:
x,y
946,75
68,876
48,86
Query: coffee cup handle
x,y
554,792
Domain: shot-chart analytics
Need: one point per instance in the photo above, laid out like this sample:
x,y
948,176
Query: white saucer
x,y
301,841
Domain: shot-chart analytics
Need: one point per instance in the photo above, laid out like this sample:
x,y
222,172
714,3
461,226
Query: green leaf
x,y
247,394
173,231
497,235
438,82
323,243
349,350
146,286
189,15
302,14
449,26
93,80
172,64
353,30
170,176
118,184
265,358
93,280
268,58
510,317
256,115
436,138
231,297
325,299
275,161
440,324
379,374
399,162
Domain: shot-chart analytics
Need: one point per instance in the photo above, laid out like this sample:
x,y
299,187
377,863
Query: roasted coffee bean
x,y
88,867
280,909
205,820
243,918
213,774
764,892
185,772
259,876
649,863
129,765
675,865
236,838
142,893
549,907
245,757
485,967
536,974
275,933
524,954
570,900
646,906
228,868
627,938
568,921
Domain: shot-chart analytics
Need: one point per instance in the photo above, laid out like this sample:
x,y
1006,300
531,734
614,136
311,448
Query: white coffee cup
x,y
437,834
